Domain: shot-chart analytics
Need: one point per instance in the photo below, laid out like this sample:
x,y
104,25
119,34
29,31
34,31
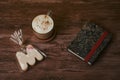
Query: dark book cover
x,y
89,42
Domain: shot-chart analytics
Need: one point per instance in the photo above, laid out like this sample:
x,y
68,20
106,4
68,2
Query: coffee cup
x,y
43,27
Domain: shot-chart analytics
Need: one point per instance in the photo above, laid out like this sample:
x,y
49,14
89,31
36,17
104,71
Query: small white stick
x,y
49,12
13,40
13,36
21,36
42,53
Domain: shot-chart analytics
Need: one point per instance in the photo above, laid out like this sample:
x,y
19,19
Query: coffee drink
x,y
43,26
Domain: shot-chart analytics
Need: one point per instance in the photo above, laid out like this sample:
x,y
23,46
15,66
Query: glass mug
x,y
43,27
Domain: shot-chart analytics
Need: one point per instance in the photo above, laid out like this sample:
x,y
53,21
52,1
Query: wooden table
x,y
60,64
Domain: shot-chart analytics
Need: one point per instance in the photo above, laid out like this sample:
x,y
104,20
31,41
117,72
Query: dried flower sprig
x,y
17,37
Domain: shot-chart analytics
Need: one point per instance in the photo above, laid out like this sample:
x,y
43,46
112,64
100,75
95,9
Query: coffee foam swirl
x,y
42,24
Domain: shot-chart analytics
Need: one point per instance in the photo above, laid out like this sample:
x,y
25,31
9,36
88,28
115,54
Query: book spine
x,y
97,44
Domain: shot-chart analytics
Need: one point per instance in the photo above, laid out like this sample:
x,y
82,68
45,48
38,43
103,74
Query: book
x,y
89,42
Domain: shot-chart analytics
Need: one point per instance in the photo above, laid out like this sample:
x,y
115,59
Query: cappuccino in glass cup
x,y
43,26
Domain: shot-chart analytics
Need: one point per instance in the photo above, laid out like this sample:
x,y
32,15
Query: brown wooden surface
x,y
60,64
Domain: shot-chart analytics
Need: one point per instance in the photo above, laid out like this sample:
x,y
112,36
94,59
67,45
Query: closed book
x,y
89,42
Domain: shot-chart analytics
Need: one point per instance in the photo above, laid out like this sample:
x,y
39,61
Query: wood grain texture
x,y
60,64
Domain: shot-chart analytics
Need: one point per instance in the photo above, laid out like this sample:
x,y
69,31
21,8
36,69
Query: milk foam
x,y
42,24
